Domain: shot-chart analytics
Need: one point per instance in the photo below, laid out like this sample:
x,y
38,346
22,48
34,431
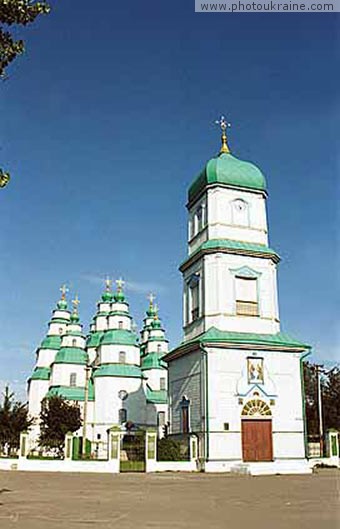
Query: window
x,y
122,415
74,342
184,405
120,325
246,296
159,348
73,379
60,330
161,418
199,219
122,357
162,383
194,297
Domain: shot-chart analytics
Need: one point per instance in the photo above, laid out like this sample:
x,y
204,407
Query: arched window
x,y
246,296
120,325
73,379
60,330
159,348
74,342
256,408
185,420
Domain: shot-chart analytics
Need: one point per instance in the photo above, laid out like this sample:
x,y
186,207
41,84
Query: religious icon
x,y
255,370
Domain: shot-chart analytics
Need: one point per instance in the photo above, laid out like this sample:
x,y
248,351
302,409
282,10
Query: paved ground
x,y
169,501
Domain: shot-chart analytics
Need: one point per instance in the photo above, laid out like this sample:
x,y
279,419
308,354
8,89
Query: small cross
x,y
156,311
63,289
108,283
76,302
151,298
120,283
222,123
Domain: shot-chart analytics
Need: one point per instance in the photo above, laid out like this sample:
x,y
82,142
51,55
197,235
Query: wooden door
x,y
257,442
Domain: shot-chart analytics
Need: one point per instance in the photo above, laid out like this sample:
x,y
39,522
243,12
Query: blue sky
x,y
105,122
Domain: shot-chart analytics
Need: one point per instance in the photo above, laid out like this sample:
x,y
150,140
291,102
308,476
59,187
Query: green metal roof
x,y
119,337
41,373
153,361
51,342
215,335
59,320
227,170
235,247
156,397
71,355
71,393
94,338
118,370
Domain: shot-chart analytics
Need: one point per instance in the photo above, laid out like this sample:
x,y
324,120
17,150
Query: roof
x,y
41,373
153,361
71,393
232,246
228,170
216,336
51,342
119,337
118,370
156,396
94,338
71,355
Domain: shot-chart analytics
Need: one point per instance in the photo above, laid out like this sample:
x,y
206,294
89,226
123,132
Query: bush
x,y
168,450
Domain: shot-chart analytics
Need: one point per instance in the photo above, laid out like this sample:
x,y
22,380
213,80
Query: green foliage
x,y
168,450
330,395
16,12
13,420
58,417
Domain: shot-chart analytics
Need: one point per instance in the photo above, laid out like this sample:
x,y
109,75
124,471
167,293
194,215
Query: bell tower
x,y
229,276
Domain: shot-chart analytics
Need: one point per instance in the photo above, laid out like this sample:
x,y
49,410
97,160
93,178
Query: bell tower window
x,y
246,296
194,297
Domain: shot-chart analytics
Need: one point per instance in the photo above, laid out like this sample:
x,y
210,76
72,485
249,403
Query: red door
x,y
257,441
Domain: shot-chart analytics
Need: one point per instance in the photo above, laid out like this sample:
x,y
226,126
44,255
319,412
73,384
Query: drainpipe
x,y
302,357
206,401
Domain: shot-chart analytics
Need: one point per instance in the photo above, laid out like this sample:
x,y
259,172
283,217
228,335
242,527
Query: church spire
x,y
223,125
62,303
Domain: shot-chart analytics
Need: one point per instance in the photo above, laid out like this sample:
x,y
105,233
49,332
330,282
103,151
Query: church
x,y
235,381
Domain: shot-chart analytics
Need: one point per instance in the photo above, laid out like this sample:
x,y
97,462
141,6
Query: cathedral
x,y
235,381
115,377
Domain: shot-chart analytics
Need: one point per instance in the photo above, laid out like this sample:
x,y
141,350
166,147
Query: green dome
x,y
74,317
71,355
62,304
51,342
119,296
107,296
227,170
94,338
119,337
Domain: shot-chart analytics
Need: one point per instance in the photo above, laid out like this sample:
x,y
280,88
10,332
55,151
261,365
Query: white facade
x,y
235,380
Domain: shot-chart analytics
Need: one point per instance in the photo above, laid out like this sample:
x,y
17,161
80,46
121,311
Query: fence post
x,y
193,448
333,446
23,447
113,447
150,449
68,447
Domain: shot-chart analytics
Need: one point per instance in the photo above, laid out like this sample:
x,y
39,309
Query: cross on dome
x,y
108,284
151,298
120,284
223,125
63,289
75,303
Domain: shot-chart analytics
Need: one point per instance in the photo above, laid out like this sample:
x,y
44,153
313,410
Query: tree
x,y
331,399
57,417
15,13
13,420
311,400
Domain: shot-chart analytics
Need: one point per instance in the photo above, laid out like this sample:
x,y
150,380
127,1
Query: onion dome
x,y
119,296
227,170
107,296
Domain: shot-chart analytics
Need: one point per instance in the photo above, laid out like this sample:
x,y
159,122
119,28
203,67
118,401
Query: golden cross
x,y
63,289
151,298
224,125
120,283
108,283
75,303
